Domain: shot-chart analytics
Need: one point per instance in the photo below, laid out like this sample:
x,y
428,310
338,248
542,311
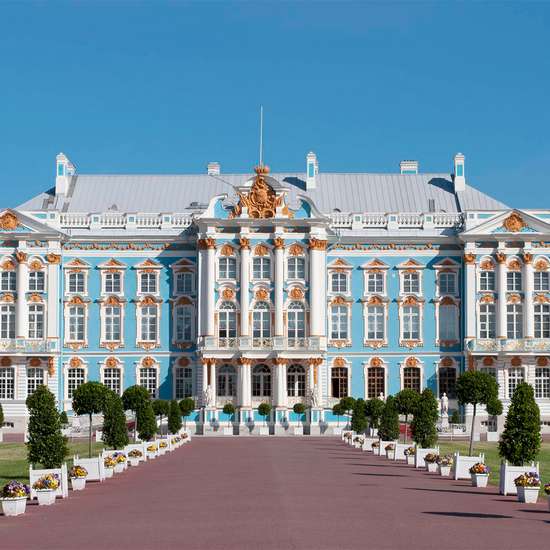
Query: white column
x,y
279,280
209,276
245,380
501,289
21,320
279,371
204,384
212,379
52,274
528,287
314,379
470,280
317,285
245,283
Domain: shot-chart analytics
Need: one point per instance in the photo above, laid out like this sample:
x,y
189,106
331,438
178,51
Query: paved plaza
x,y
267,493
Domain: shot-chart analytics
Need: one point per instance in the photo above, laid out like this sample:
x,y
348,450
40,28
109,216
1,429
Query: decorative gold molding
x,y
295,249
76,301
36,265
514,265
111,362
541,264
278,243
34,297
514,223
5,362
542,361
487,299
296,293
527,257
376,362
227,250
51,366
339,362
501,257
8,298
515,361
487,265
261,294
75,362
244,242
21,256
446,362
228,294
488,361
207,243
53,258
411,362
244,361
469,258
9,221
317,244
261,250
279,361
8,265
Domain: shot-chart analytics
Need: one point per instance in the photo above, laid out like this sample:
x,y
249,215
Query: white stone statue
x,y
381,396
444,404
314,398
207,396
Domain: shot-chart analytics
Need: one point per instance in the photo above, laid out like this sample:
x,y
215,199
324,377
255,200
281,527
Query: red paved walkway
x,y
256,493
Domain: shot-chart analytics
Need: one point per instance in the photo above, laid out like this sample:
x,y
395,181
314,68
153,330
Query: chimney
x,y
312,169
459,178
408,167
214,169
64,170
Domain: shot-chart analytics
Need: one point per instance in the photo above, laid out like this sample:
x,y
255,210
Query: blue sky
x,y
168,86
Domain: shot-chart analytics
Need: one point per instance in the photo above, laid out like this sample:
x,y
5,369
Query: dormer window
x,y
148,283
76,282
411,282
339,282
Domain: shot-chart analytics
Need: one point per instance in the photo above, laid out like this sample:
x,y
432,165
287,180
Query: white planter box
x,y
462,465
367,445
78,483
264,430
133,461
431,467
46,497
400,451
444,471
227,430
14,506
109,472
298,430
529,495
508,473
421,453
479,480
62,490
390,455
119,468
410,460
382,448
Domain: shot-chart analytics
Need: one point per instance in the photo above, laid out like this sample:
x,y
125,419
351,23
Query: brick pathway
x,y
267,493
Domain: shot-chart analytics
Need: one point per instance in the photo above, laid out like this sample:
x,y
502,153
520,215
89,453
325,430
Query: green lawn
x,y
14,465
492,459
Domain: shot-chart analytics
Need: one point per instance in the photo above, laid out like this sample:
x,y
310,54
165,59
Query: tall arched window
x,y
487,321
296,321
375,382
296,381
514,321
227,381
227,327
36,321
411,323
7,321
447,381
411,378
261,381
339,382
261,321
149,322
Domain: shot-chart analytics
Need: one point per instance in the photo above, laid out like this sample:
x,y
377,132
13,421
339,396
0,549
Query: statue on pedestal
x,y
444,411
207,397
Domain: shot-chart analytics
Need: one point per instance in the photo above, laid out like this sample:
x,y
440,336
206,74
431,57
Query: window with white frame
x,y
339,282
375,282
542,281
376,321
261,321
8,282
411,282
487,280
296,267
339,382
447,381
227,381
491,371
411,378
36,321
339,322
410,323
487,321
76,282
513,281
7,383
227,267
76,376
261,267
76,320
542,383
227,324
36,281
112,317
514,321
376,382
184,382
35,378
296,321
149,324
7,321
448,322
184,282
296,381
112,282
148,380
112,378
184,323
515,377
261,381
447,283
148,282
542,320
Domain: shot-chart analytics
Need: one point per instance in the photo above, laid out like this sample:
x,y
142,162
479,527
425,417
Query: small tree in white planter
x,y
187,406
229,410
264,410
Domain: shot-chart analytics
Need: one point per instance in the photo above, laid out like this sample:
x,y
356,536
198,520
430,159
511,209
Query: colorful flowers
x,y
163,444
176,439
390,447
15,489
184,436
109,462
547,488
135,453
480,469
48,482
445,460
409,451
78,472
152,449
119,458
529,479
375,444
348,436
430,458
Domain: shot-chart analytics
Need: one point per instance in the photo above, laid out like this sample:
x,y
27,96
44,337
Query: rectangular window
x,y
148,283
487,321
339,382
184,382
36,281
112,378
296,268
8,281
75,378
447,283
184,283
339,282
261,267
514,321
542,321
542,281
7,383
542,383
411,283
149,324
513,281
339,323
148,380
113,323
411,323
515,377
487,280
448,325
7,322
375,283
227,268
36,321
183,324
35,378
76,282
76,323
112,283
375,382
375,322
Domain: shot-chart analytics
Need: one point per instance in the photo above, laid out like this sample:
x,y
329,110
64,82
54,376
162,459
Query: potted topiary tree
x,y
406,401
264,410
299,409
359,417
147,424
337,410
115,432
347,404
89,399
229,410
161,408
174,417
423,426
187,406
389,424
373,409
134,399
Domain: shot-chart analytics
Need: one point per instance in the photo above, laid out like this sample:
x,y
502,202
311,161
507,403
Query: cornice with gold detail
x,y
207,243
244,243
315,361
317,244
278,243
514,223
21,256
52,258
469,258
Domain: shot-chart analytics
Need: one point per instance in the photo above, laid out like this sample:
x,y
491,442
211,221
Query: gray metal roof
x,y
345,192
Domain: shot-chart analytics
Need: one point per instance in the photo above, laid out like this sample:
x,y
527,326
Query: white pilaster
x,y
501,289
52,275
21,317
470,289
212,380
528,288
245,384
245,283
279,371
317,285
209,276
279,280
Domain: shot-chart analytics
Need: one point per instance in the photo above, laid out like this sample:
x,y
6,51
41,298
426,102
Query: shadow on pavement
x,y
469,515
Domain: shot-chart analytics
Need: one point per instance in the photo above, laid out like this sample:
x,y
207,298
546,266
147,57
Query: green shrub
x,y
264,410
455,418
229,409
115,432
174,417
1,416
161,408
187,406
46,444
406,401
146,422
520,441
373,409
358,417
134,399
389,422
63,418
299,408
425,417
89,398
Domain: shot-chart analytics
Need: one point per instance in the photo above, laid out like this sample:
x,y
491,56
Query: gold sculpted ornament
x,y
8,221
513,223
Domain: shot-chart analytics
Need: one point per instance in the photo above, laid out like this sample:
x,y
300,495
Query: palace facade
x,y
281,288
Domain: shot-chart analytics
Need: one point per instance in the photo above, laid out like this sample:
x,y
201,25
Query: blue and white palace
x,y
271,287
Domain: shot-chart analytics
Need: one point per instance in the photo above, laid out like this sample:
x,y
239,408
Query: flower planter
x,y
78,483
14,506
390,455
228,430
431,467
298,430
445,471
529,495
134,461
152,455
109,472
480,480
119,468
46,497
410,460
